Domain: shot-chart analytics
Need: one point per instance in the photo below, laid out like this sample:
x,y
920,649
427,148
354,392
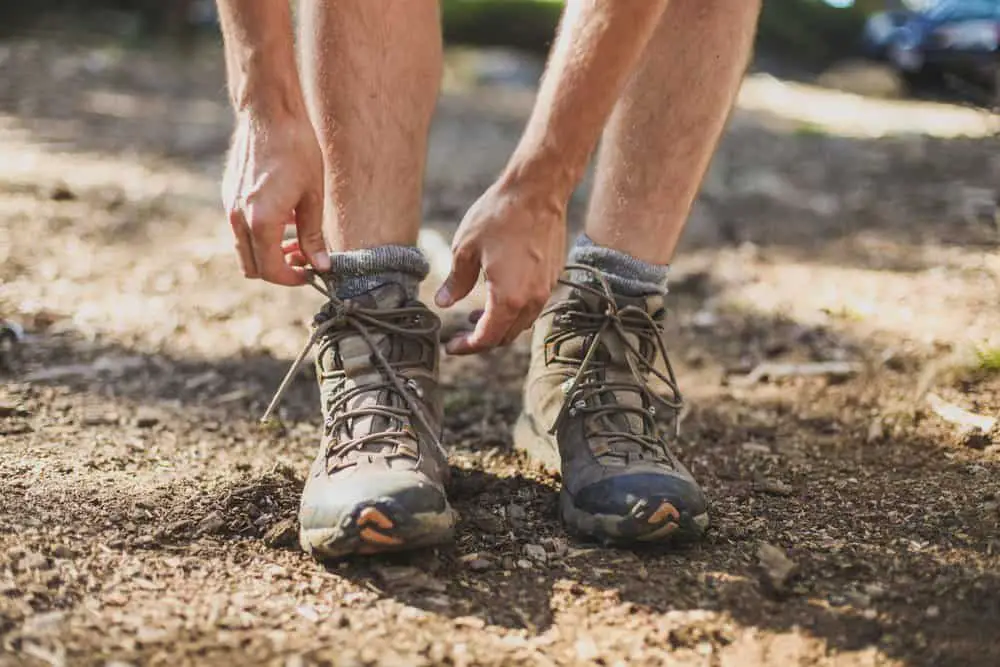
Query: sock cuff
x,y
625,274
355,272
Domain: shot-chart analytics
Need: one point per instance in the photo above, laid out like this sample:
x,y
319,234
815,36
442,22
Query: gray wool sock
x,y
356,272
625,274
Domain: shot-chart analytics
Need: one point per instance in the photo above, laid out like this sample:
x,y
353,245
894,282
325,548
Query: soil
x,y
146,518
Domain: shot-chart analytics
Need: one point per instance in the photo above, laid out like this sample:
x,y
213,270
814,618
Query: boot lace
x,y
330,324
588,392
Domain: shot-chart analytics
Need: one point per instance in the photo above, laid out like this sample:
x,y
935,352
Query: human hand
x,y
274,178
516,236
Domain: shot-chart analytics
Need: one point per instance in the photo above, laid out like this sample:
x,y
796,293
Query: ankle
x,y
356,272
627,275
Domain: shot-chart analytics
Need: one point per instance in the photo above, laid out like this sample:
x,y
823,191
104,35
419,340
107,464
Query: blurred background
x,y
835,325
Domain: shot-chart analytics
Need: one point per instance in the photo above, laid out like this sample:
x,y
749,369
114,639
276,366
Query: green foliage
x,y
804,32
524,24
988,359
811,31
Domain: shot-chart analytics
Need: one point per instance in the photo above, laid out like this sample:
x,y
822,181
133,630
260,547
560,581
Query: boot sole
x,y
665,524
376,527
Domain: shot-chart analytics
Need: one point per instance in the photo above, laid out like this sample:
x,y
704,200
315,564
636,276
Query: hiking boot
x,y
378,481
589,412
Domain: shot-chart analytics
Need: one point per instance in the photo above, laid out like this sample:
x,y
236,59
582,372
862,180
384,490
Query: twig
x,y
960,416
777,370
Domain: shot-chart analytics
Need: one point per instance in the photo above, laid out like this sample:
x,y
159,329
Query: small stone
x,y
11,410
755,448
932,612
308,612
405,577
557,546
61,192
586,649
63,551
489,524
145,541
774,487
146,417
874,591
103,419
776,567
858,599
476,562
480,565
516,512
535,552
282,535
524,564
973,437
115,599
212,523
35,561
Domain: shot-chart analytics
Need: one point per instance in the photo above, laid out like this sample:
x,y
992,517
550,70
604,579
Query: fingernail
x,y
322,260
443,297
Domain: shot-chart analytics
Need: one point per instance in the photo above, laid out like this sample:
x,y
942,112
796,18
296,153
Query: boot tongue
x,y
611,356
353,355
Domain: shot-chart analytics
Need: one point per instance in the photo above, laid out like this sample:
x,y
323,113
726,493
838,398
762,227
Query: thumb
x,y
309,225
464,273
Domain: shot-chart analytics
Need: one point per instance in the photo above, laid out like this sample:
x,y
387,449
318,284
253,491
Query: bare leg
x,y
371,74
663,132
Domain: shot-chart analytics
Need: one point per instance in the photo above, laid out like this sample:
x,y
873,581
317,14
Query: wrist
x,y
266,87
547,182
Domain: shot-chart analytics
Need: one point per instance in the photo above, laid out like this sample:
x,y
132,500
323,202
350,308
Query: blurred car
x,y
947,37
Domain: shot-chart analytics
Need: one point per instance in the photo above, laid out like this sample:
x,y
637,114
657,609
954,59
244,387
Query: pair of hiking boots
x,y
378,482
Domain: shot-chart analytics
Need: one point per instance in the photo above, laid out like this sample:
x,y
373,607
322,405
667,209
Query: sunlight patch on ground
x,y
833,112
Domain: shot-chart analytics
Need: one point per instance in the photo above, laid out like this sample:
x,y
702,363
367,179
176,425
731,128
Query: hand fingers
x,y
523,323
464,274
492,328
309,225
294,256
270,260
244,244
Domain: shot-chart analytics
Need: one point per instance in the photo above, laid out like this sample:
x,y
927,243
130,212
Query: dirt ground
x,y
146,519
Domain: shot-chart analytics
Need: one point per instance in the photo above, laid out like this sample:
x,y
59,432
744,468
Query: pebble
x,y
63,551
535,552
932,612
755,448
774,487
145,541
974,438
212,523
35,561
146,417
308,612
476,562
282,534
516,512
524,564
777,568
480,565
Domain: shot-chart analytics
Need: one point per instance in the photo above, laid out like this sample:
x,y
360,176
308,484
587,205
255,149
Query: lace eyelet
x,y
415,387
